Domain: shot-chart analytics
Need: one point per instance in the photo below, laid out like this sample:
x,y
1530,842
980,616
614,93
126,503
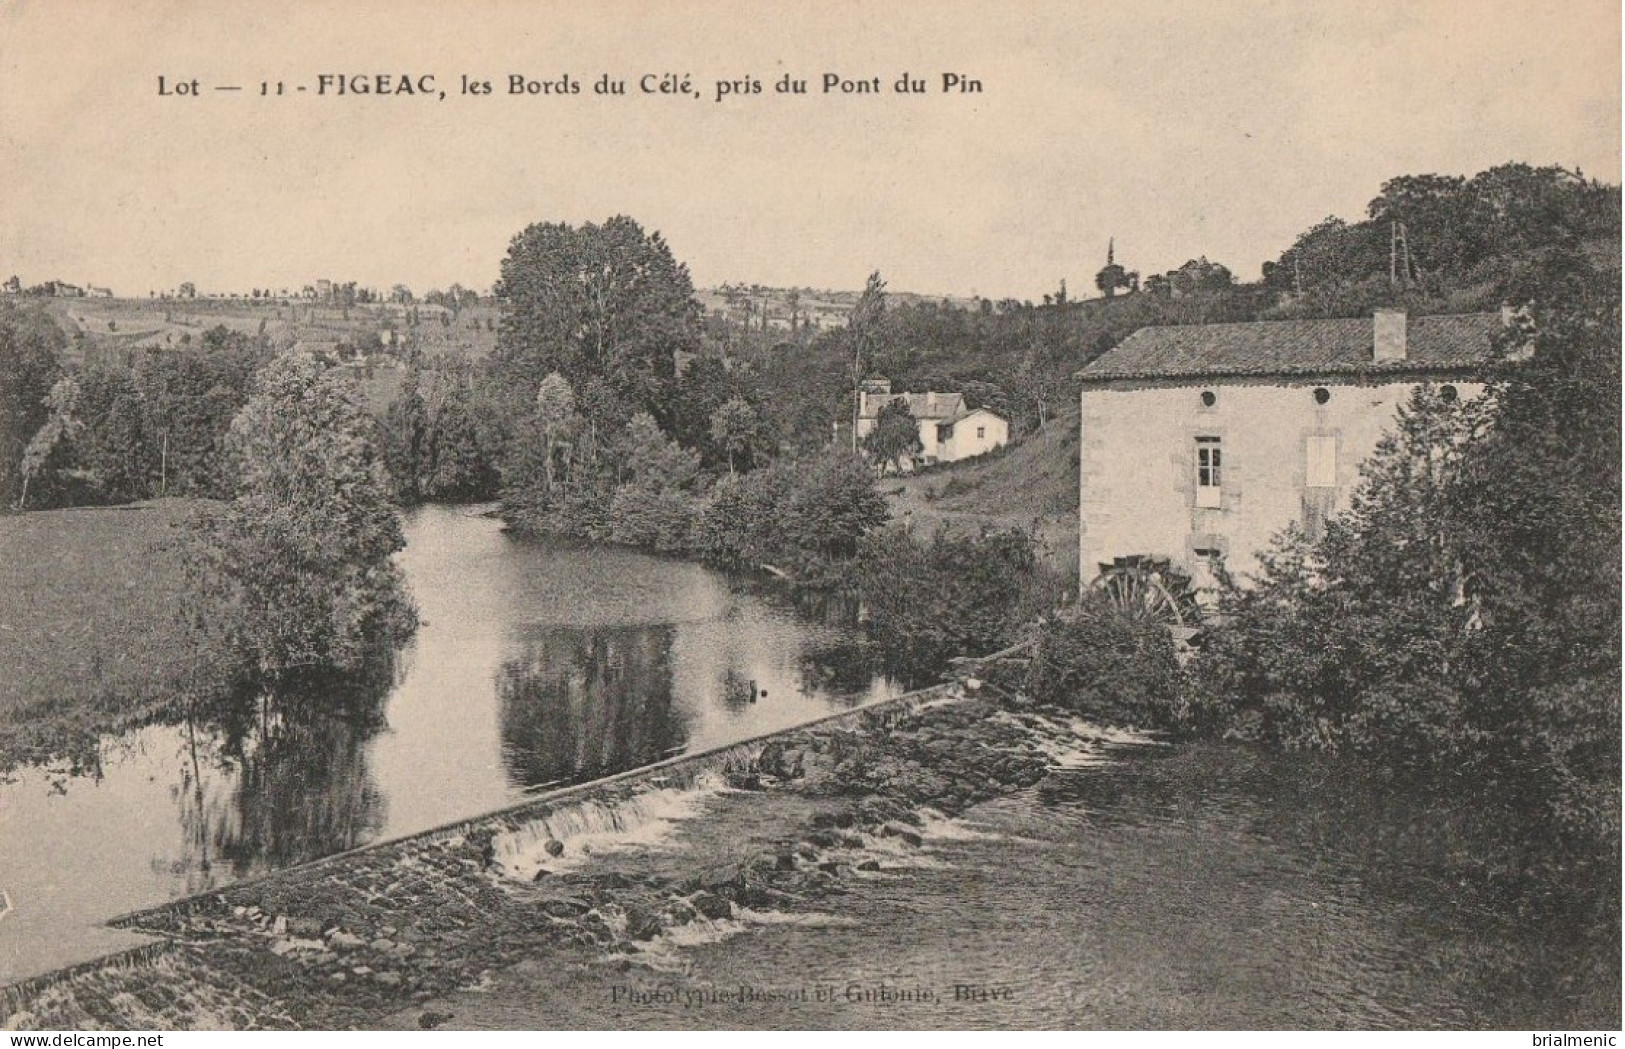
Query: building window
x,y
1322,395
1320,464
981,432
1208,466
1448,393
1209,398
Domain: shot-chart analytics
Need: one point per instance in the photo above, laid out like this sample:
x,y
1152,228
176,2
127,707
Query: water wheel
x,y
1149,589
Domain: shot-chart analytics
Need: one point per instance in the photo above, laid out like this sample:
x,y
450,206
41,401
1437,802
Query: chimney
x,y
1388,335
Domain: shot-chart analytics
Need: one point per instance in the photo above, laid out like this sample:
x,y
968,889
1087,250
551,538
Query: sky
x,y
1213,127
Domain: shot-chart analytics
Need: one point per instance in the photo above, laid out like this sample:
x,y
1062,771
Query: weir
x,y
613,807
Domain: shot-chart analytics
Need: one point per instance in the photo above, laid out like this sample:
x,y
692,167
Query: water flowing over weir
x,y
568,836
627,809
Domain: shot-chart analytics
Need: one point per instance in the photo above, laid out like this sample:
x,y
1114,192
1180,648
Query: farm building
x,y
949,431
1199,443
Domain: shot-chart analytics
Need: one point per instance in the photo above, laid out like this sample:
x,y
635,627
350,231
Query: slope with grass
x,y
1031,484
90,636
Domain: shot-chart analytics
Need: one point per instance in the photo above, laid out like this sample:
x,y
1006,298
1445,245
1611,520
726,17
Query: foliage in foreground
x,y
954,595
1463,619
1108,667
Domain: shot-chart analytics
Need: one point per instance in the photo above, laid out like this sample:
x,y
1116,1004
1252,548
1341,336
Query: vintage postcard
x,y
839,515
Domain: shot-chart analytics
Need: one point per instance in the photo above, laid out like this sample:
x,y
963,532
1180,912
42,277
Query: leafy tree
x,y
745,524
294,574
1113,278
807,518
190,397
555,418
792,301
30,363
1373,604
736,430
1463,619
114,449
705,385
49,448
406,438
833,505
1109,667
649,458
1536,514
1538,502
895,437
603,301
651,507
870,308
459,470
862,329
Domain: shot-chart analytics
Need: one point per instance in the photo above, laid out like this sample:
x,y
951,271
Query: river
x,y
1207,887
535,665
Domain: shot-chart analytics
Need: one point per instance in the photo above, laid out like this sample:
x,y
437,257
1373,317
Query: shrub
x,y
741,527
953,596
1107,666
807,518
660,519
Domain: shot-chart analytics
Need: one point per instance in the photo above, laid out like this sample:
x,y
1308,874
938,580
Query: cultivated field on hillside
x,y
131,324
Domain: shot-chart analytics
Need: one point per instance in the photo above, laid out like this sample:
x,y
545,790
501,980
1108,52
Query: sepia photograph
x,y
831,515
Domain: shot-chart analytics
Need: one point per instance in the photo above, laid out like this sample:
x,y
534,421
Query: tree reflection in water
x,y
583,702
271,779
836,659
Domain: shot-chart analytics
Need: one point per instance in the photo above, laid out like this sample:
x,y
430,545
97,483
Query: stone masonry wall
x,y
1138,465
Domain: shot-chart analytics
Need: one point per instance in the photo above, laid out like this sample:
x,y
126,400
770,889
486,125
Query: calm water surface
x,y
535,666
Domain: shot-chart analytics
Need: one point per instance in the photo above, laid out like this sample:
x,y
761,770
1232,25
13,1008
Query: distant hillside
x,y
156,324
748,308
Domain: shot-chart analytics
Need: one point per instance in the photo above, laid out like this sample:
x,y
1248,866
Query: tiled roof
x,y
1316,347
941,406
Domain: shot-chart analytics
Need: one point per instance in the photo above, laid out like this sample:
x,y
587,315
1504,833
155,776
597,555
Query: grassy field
x,y
88,628
1033,484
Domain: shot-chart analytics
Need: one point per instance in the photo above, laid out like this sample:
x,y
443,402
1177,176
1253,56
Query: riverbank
x,y
348,941
90,633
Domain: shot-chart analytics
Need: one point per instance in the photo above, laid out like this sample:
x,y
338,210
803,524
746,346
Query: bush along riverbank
x,y
344,942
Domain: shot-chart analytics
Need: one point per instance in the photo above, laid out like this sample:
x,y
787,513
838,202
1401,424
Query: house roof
x,y
940,406
1288,348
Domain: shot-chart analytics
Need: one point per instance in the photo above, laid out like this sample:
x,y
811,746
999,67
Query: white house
x,y
973,433
949,431
1199,443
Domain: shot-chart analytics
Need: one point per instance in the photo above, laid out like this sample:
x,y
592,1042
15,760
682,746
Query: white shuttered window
x,y
1321,464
